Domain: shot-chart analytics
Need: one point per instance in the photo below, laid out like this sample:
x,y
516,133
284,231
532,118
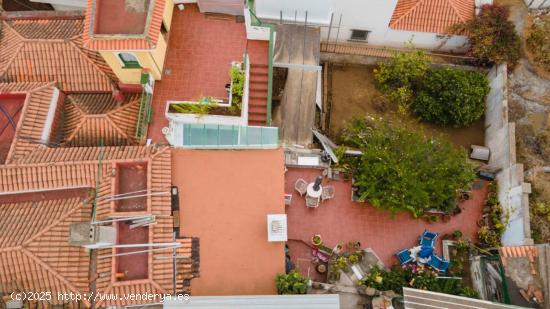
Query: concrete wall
x,y
500,138
318,11
372,15
537,4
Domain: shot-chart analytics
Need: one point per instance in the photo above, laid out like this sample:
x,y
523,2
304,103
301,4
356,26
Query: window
x,y
359,35
129,60
163,31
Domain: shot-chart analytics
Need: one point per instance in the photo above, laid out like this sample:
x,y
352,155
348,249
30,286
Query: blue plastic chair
x,y
404,256
439,264
427,238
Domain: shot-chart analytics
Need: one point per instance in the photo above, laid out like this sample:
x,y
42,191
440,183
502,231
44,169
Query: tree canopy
x,y
402,170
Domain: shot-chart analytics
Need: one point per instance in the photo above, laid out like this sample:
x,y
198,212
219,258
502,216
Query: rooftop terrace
x,y
201,49
225,197
121,16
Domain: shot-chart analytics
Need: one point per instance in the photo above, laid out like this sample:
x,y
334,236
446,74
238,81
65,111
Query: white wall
x,y
371,15
318,11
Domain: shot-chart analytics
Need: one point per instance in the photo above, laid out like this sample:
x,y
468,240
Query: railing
x,y
257,22
145,107
214,136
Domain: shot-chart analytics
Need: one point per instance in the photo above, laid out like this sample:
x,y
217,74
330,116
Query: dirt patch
x,y
354,95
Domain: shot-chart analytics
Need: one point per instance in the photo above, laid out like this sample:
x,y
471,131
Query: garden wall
x,y
500,138
537,4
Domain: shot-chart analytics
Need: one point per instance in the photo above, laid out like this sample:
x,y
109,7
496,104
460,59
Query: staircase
x,y
257,98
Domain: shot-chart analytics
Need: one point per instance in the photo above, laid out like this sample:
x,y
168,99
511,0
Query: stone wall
x,y
500,138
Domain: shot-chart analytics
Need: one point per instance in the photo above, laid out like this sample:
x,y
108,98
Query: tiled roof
x,y
64,168
29,130
529,252
94,118
50,50
88,120
147,41
34,251
431,15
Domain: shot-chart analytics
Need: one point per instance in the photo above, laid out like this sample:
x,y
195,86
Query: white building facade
x,y
392,23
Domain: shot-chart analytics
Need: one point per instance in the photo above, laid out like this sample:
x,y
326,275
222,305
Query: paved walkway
x,y
340,220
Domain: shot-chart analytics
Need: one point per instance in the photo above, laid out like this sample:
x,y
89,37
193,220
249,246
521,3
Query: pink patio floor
x,y
200,51
340,220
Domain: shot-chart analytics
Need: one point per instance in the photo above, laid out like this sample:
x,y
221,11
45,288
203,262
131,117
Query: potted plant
x,y
353,259
316,240
321,268
337,249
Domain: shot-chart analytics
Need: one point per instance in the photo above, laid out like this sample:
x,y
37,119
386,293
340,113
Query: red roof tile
x,y
431,15
34,251
50,50
94,118
119,42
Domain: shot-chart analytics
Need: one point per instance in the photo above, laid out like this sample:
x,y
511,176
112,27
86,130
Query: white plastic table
x,y
311,192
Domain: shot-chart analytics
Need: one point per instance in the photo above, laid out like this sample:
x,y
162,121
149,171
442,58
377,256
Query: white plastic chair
x,y
301,186
327,193
312,202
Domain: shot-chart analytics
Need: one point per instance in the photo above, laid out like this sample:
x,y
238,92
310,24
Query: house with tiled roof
x,y
131,36
47,47
53,199
395,23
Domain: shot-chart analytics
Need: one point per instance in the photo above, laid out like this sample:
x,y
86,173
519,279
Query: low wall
x,y
500,138
537,4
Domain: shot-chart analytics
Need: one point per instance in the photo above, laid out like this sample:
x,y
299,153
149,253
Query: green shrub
x,y
402,170
493,38
237,78
398,77
538,41
451,97
399,277
291,283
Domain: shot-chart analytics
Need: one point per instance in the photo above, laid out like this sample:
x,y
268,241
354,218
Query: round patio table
x,y
311,192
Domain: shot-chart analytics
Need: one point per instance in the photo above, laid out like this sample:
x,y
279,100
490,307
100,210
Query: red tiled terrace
x,y
200,51
120,16
225,197
340,220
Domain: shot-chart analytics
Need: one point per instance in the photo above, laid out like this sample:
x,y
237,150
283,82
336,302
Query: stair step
x,y
256,117
258,103
257,97
259,79
257,110
258,87
258,65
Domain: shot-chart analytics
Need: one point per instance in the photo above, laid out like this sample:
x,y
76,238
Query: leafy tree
x,y
398,77
493,38
291,283
451,97
402,170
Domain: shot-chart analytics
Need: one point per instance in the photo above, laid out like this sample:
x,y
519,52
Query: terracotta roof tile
x,y
35,254
529,252
94,118
46,51
147,41
431,15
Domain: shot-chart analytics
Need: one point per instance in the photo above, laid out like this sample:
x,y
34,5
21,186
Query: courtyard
x,y
341,220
